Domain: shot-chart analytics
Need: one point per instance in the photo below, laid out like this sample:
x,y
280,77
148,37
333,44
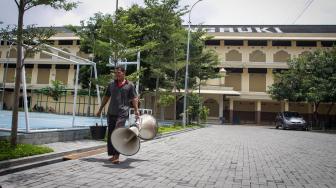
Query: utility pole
x,y
116,5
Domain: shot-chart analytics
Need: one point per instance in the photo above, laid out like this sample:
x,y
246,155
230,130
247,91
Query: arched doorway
x,y
213,106
179,108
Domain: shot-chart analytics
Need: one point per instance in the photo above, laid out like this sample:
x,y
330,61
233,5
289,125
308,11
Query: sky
x,y
206,12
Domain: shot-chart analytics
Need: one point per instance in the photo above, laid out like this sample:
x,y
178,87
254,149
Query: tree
x,y
157,31
23,6
56,91
310,78
165,100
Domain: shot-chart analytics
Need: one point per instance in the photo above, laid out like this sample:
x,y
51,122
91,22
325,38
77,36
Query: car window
x,y
291,114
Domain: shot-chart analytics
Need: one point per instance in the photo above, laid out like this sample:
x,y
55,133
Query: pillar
x,y
245,80
269,78
71,76
221,105
284,105
34,74
2,72
269,54
231,110
52,75
257,112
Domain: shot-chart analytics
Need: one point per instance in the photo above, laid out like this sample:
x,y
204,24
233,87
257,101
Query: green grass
x,y
21,150
172,128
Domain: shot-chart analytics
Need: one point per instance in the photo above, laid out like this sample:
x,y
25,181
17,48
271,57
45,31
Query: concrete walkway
x,y
216,156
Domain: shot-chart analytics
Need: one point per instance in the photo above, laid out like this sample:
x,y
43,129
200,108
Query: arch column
x,y
257,111
34,74
221,106
245,82
52,73
71,76
2,72
285,106
231,110
269,78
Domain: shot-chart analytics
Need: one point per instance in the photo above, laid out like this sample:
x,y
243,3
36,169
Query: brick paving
x,y
216,156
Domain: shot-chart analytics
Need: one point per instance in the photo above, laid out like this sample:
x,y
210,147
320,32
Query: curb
x,y
16,165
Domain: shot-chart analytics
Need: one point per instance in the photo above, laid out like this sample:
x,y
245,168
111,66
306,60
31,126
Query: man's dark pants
x,y
113,122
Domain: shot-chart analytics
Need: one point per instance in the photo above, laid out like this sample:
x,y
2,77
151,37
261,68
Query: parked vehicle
x,y
290,120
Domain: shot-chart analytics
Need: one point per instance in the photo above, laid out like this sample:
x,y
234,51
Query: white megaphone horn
x,y
127,140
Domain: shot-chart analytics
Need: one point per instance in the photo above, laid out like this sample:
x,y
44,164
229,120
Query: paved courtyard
x,y
216,156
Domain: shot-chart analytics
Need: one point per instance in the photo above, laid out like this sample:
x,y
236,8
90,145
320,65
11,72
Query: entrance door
x,y
21,102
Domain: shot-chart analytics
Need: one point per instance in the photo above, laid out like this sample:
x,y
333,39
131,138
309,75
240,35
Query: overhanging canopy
x,y
212,91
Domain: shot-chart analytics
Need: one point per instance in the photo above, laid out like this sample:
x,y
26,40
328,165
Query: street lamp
x,y
186,72
222,72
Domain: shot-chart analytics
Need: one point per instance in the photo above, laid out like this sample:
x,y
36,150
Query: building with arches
x,y
250,55
41,69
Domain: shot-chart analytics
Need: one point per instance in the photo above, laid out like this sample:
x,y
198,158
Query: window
x,y
306,43
50,42
29,66
12,53
212,42
10,66
233,79
233,43
281,43
257,70
62,75
233,55
257,56
44,66
2,43
281,56
328,43
234,70
257,43
257,82
77,42
62,67
43,75
65,42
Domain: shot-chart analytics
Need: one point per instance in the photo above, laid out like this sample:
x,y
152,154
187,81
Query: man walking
x,y
121,94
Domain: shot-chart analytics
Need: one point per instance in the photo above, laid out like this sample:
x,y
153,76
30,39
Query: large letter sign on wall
x,y
243,29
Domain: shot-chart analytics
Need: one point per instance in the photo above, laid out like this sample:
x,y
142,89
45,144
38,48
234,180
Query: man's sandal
x,y
115,161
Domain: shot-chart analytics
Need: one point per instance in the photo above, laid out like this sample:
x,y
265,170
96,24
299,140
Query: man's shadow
x,y
125,164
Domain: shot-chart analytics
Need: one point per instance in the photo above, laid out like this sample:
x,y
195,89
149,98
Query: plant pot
x,y
98,132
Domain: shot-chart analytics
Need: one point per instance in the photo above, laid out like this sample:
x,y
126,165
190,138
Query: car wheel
x,y
283,126
276,125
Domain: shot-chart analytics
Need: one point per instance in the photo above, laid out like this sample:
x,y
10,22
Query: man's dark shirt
x,y
120,98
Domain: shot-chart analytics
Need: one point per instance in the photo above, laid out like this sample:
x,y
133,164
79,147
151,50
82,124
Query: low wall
x,y
45,137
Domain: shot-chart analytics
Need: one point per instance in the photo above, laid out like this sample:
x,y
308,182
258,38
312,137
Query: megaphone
x,y
127,140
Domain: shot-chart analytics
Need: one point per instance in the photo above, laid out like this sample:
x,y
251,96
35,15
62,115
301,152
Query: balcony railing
x,y
239,64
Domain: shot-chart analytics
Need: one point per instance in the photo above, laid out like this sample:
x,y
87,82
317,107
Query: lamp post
x,y
222,72
186,72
